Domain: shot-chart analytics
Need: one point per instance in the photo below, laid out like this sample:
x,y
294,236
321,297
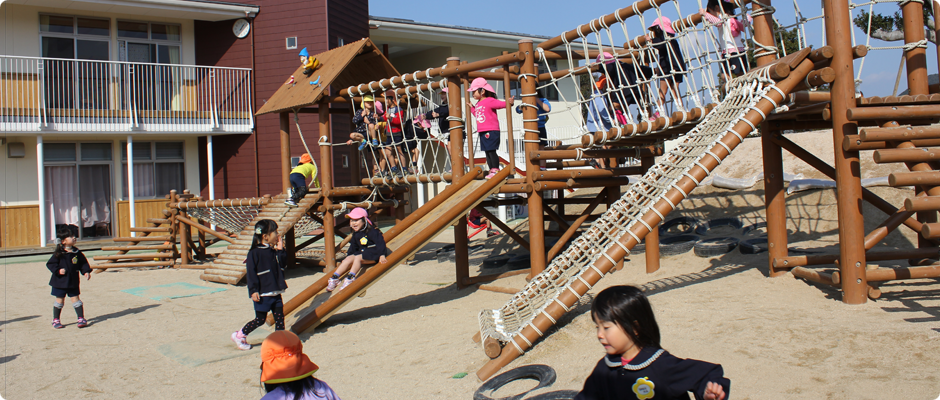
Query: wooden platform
x,y
229,267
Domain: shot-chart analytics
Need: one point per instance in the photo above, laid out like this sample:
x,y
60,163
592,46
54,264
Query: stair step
x,y
134,256
225,272
231,280
134,264
226,261
143,239
144,247
232,256
152,229
217,265
158,221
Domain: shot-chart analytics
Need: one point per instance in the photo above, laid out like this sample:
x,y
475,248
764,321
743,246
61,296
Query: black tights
x,y
261,316
492,160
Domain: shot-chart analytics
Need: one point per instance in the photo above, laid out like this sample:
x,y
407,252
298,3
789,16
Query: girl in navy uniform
x,y
266,283
636,366
66,264
366,247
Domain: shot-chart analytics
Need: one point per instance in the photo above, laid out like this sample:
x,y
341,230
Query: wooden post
x,y
471,154
647,161
510,145
326,185
848,180
530,128
285,151
461,243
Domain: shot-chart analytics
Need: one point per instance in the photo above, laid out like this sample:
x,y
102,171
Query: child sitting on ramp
x,y
265,267
366,247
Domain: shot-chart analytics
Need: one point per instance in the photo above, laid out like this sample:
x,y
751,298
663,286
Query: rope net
x,y
507,322
231,219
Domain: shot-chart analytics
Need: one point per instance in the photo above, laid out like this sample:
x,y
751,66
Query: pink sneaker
x,y
332,284
82,322
492,173
346,282
241,342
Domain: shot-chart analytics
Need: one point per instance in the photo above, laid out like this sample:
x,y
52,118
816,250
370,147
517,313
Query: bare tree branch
x,y
894,36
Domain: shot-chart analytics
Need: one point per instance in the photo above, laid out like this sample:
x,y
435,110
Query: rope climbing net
x,y
505,323
231,219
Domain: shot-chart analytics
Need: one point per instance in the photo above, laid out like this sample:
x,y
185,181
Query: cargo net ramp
x,y
610,230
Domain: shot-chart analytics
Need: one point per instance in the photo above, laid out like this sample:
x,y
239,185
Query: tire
x,y
675,245
556,395
521,261
753,227
713,247
702,229
544,374
753,246
689,222
495,262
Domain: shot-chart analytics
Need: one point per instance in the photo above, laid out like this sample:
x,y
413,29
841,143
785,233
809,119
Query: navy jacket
x,y
442,113
668,377
265,270
74,263
627,75
370,244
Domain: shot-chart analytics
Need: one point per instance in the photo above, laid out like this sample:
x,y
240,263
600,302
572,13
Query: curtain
x,y
95,194
61,199
143,180
170,176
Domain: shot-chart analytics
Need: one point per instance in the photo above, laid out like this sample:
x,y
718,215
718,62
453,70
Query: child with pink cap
x,y
366,247
721,13
671,64
484,112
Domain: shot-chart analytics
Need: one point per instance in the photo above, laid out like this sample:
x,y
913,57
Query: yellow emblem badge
x,y
364,241
644,388
75,260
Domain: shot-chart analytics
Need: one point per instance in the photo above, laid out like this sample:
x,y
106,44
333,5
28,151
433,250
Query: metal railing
x,y
63,95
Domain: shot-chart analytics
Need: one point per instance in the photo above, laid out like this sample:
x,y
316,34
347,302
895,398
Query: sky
x,y
551,18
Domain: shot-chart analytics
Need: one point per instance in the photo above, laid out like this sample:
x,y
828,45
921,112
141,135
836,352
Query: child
x,y
66,263
476,220
618,112
671,63
732,48
543,107
441,113
265,265
306,169
636,366
287,373
365,121
366,247
487,121
395,147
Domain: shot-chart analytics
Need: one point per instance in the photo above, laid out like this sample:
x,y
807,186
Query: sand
x,y
411,334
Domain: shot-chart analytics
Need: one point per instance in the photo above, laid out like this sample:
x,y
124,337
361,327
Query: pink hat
x,y
480,83
444,89
357,213
665,24
606,57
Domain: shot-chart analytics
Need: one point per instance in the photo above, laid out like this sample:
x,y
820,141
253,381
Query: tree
x,y
891,28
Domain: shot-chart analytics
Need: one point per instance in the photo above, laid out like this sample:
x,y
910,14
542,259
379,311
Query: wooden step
x,y
152,229
134,256
231,280
144,247
142,239
239,268
226,261
224,272
158,221
143,264
232,256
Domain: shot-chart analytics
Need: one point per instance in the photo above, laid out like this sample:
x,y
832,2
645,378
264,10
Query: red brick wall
x,y
278,19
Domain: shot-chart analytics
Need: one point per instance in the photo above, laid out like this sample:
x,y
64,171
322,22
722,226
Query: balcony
x,y
48,95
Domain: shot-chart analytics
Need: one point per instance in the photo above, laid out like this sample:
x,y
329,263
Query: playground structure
x,y
775,96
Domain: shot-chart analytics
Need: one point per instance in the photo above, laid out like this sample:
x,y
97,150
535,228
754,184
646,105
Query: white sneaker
x,y
240,342
346,282
331,284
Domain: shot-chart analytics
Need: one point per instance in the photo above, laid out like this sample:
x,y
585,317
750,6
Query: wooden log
x,y
931,178
890,274
144,247
151,229
892,113
906,155
141,256
813,275
498,289
821,259
205,229
134,264
491,348
854,143
143,239
922,203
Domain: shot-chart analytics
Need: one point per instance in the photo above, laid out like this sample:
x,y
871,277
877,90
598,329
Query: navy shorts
x,y
269,303
298,180
489,140
734,64
71,292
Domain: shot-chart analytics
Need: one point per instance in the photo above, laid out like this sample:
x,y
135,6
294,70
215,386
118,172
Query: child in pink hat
x,y
721,13
487,121
366,247
671,65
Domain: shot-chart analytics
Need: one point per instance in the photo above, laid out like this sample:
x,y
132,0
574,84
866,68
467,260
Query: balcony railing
x,y
61,95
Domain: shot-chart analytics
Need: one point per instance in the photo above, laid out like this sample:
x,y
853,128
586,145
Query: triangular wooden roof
x,y
342,67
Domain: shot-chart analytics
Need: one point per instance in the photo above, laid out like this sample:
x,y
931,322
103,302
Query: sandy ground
x,y
411,334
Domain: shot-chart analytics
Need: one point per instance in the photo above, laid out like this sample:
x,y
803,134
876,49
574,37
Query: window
x,y
291,42
147,42
71,84
158,168
345,161
78,188
550,92
340,42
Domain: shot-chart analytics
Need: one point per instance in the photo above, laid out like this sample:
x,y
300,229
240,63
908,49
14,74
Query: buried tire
x,y
675,245
688,222
753,246
556,395
715,246
704,228
544,374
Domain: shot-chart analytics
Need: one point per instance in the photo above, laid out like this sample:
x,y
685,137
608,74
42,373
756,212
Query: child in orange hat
x,y
287,373
306,169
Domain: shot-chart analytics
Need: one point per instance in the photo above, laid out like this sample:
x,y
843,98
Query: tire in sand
x,y
753,246
544,374
704,228
713,247
675,245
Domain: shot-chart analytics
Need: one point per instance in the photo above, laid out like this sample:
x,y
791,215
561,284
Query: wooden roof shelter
x,y
341,67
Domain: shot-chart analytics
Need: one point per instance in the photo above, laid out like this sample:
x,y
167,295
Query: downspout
x,y
254,102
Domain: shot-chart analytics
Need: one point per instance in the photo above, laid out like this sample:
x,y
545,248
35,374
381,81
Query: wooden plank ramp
x,y
320,305
229,266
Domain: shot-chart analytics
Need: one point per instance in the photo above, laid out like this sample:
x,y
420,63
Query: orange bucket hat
x,y
283,359
305,159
